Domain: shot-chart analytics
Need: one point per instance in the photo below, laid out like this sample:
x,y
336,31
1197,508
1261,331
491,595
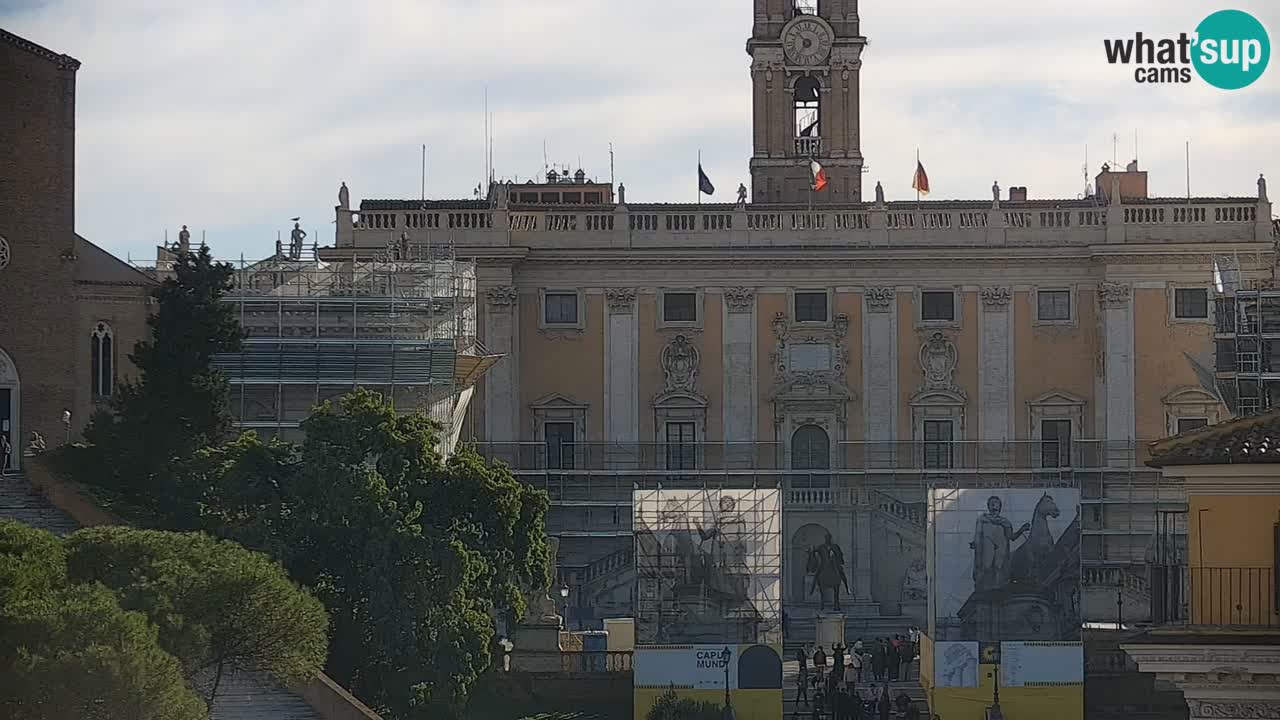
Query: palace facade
x,y
850,352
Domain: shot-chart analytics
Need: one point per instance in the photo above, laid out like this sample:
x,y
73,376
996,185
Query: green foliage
x,y
671,706
70,651
179,403
410,554
217,605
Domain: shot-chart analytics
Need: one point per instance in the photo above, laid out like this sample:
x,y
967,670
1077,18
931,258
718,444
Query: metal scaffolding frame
x,y
708,565
400,321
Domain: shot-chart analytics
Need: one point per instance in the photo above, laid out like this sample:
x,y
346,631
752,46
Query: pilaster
x,y
739,406
880,373
501,383
995,366
621,368
1116,301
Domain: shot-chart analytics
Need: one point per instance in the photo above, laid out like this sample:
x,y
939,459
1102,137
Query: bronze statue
x,y
826,562
295,241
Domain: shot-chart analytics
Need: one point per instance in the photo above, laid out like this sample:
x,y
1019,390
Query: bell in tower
x,y
806,56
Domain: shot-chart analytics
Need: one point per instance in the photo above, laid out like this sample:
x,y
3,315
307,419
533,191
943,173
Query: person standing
x,y
819,662
907,655
837,654
883,704
802,683
895,657
879,658
855,665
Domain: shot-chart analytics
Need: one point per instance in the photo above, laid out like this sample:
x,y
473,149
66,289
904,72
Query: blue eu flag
x,y
704,182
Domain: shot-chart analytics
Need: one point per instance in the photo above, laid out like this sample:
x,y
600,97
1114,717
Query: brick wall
x,y
38,325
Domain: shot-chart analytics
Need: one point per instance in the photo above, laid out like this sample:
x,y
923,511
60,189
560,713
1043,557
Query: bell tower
x,y
805,60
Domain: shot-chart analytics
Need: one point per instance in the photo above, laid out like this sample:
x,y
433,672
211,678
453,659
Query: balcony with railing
x,y
808,146
1214,597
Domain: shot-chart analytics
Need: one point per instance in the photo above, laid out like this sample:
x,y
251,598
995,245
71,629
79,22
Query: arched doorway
x,y
9,417
810,450
807,537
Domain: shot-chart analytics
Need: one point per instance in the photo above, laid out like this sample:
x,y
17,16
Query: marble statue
x,y
826,562
622,194
1262,187
742,196
184,240
992,536
995,191
295,241
344,197
879,193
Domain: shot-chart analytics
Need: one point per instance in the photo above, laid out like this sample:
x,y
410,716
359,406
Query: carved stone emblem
x,y
1235,710
1113,295
880,299
680,360
502,296
938,358
996,299
739,299
621,300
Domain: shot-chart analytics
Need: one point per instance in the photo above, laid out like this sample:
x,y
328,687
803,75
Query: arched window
x,y
102,367
810,450
808,94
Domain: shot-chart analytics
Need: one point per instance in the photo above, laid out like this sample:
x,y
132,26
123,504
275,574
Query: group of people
x,y
833,691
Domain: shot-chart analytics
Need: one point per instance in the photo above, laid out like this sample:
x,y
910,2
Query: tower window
x,y
806,7
101,356
808,111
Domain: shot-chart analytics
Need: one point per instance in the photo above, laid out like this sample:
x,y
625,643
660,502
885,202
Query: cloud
x,y
232,117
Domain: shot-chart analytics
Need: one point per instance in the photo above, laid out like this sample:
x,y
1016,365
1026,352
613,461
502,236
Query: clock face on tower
x,y
807,41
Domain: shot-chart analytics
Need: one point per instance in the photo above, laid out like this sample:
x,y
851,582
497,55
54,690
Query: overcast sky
x,y
234,116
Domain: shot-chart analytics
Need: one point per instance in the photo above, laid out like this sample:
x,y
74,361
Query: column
x,y
1116,302
501,383
739,405
995,371
621,372
880,374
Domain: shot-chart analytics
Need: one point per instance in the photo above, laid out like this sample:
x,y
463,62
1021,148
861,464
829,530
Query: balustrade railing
x,y
603,661
1214,596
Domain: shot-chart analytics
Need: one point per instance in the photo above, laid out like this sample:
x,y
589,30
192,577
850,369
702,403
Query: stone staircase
x,y
241,696
910,685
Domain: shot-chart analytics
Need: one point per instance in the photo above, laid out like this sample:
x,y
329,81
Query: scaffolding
x,y
1246,340
708,565
400,321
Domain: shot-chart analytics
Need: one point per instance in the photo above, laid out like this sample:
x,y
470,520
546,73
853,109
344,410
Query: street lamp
x,y
506,646
728,713
564,598
66,420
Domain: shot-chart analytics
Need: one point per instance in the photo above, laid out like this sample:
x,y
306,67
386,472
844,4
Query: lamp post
x,y
564,602
66,420
506,646
728,713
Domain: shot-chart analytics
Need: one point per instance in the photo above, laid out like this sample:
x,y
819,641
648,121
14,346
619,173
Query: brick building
x,y
69,310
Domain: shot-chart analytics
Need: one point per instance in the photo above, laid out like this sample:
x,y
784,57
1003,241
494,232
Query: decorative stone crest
x,y
621,300
502,296
880,299
938,359
680,361
996,299
1235,710
1113,295
739,299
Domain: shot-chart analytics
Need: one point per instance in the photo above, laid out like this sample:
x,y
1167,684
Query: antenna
x,y
1188,166
545,166
486,131
1085,171
492,133
424,172
611,183
1115,143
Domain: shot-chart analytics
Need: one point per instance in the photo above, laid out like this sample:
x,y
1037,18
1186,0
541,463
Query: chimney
x,y
1132,182
1018,194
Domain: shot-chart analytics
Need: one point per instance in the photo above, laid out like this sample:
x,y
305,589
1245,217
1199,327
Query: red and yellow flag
x,y
920,183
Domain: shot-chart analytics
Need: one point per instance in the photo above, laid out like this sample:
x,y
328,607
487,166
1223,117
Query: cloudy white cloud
x,y
232,117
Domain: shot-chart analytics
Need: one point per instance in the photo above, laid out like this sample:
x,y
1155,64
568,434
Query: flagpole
x,y
699,177
917,184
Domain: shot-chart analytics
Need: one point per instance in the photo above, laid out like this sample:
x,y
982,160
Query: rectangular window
x,y
1055,443
1189,424
811,307
561,308
679,307
680,446
937,444
560,450
938,306
1053,304
1191,303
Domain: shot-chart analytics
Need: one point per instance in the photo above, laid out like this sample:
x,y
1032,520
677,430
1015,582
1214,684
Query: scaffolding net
x,y
708,566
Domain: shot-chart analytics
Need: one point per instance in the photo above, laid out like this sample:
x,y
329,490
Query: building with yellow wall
x,y
850,351
1217,634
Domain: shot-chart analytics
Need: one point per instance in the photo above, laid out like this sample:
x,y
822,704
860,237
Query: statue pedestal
x,y
828,630
536,647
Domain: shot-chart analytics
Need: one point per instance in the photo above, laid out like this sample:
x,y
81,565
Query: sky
x,y
234,116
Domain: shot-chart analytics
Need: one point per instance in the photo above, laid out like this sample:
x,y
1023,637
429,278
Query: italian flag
x,y
819,176
920,183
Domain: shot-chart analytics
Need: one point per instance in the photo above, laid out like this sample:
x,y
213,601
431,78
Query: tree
x,y
218,606
74,653
70,651
411,554
179,402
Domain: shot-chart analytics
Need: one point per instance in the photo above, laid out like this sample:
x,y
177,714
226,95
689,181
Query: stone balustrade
x,y
900,224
